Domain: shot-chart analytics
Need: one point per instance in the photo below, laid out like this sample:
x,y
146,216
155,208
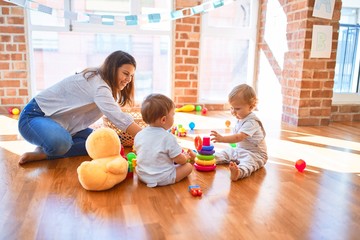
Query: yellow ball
x,y
15,111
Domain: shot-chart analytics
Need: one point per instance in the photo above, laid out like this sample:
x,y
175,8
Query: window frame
x,y
80,27
249,33
348,98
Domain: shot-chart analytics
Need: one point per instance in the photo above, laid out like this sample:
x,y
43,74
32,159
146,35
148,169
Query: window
x,y
346,80
228,37
348,53
63,46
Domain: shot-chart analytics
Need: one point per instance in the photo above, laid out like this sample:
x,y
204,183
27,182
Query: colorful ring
x,y
207,153
205,162
205,157
198,143
204,168
208,148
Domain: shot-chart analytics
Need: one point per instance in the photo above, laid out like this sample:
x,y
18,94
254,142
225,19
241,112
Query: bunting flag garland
x,y
129,20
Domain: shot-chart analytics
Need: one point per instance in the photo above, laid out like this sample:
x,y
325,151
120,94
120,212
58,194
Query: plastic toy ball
x,y
204,111
227,123
192,125
198,108
10,110
15,111
233,145
300,165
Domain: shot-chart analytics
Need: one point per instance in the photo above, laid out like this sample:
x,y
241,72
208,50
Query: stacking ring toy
x,y
208,148
204,168
203,152
205,157
198,143
205,162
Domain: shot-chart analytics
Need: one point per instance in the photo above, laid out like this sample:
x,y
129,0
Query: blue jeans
x,y
55,141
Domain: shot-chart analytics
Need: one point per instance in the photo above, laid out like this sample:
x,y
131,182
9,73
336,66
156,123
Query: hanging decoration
x,y
129,20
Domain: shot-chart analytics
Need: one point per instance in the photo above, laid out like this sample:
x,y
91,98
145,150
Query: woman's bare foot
x,y
36,155
234,171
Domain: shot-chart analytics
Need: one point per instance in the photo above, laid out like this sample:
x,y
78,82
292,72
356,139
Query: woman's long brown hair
x,y
108,72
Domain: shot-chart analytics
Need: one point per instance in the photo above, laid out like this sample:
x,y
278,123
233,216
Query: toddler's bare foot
x,y
234,171
36,155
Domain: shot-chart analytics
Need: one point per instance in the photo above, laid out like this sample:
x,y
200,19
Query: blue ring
x,y
207,148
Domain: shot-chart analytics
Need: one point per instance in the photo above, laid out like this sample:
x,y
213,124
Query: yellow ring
x,y
205,157
205,162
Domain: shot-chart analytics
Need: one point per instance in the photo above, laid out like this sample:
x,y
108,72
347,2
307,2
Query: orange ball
x,y
227,123
15,111
300,165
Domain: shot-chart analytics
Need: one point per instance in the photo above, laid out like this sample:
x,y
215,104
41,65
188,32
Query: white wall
x,y
351,3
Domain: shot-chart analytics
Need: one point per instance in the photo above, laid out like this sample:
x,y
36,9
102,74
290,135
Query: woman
x,y
57,120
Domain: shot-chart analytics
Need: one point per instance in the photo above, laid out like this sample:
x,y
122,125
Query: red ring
x,y
203,168
198,143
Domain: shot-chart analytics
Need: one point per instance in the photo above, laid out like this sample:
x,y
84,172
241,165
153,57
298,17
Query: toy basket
x,y
126,139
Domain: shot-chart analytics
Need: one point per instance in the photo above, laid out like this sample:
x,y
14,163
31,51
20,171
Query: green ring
x,y
205,157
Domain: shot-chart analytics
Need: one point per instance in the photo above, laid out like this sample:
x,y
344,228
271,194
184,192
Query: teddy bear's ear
x,y
103,142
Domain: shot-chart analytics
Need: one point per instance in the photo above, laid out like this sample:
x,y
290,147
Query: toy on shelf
x,y
173,130
300,165
191,125
227,123
14,111
204,111
185,108
198,108
178,131
205,159
181,132
195,190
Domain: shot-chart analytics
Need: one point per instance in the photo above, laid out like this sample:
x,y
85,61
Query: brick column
x,y
14,74
307,83
186,55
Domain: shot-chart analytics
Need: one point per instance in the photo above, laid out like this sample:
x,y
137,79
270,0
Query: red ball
x,y
204,110
300,165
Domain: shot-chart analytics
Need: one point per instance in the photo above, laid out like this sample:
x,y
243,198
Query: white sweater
x,y
76,103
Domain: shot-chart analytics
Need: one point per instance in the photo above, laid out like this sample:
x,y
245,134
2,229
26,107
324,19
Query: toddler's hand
x,y
216,137
191,154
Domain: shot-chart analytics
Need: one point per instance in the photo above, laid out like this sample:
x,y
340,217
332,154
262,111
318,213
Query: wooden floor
x,y
44,200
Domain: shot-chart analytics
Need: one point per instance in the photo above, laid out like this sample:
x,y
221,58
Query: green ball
x,y
198,108
233,145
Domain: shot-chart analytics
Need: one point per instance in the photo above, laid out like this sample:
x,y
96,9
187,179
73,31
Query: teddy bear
x,y
107,167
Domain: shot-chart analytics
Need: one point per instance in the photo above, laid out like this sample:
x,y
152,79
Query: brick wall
x,y
345,112
14,73
186,58
307,83
186,55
